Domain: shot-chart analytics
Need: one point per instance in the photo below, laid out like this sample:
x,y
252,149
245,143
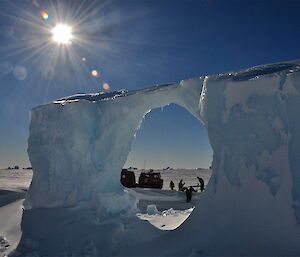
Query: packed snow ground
x,y
164,209
166,220
10,225
15,179
189,176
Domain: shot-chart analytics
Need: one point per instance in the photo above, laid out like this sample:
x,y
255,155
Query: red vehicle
x,y
150,180
146,180
128,178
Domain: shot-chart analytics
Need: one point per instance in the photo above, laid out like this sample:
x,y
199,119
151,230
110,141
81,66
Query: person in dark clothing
x,y
201,181
180,185
188,193
172,185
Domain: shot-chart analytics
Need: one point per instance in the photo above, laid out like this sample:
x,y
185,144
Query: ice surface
x,y
189,176
79,144
167,220
10,228
15,179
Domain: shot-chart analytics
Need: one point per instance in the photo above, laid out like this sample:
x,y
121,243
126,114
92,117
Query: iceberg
x,y
79,144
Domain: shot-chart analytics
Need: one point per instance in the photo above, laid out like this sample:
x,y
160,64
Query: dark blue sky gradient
x,y
134,44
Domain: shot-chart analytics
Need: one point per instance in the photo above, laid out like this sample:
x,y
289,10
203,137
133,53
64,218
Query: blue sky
x,y
134,44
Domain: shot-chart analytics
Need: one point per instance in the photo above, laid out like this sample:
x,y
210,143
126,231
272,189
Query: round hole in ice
x,y
170,145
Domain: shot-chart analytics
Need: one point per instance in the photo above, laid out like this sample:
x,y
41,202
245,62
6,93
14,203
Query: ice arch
x,y
78,144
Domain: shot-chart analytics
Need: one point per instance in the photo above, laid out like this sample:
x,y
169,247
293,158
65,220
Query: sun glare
x,y
54,34
62,34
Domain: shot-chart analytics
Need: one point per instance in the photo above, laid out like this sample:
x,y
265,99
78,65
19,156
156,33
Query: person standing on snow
x,y
180,185
172,185
188,193
201,181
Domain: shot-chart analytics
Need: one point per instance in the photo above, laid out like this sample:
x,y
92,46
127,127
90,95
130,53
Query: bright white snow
x,y
10,229
166,220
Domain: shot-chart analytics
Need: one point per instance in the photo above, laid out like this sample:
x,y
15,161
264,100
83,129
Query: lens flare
x,y
83,59
44,15
62,33
20,72
95,73
105,86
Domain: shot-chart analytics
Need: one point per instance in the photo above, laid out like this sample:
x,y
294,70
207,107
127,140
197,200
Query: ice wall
x,y
252,204
78,145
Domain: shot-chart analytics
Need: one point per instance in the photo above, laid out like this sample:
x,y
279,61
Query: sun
x,y
62,34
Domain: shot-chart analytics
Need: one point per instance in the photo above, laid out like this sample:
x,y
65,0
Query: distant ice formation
x,y
78,145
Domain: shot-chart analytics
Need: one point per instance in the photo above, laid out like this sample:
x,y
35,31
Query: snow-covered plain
x,y
15,183
189,176
78,145
15,179
10,225
13,187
